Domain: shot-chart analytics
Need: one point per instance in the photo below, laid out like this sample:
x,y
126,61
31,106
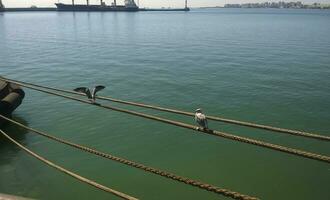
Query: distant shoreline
x,y
53,9
28,9
280,5
218,7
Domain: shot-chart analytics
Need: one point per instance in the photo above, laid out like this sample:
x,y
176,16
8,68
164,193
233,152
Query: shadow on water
x,y
7,149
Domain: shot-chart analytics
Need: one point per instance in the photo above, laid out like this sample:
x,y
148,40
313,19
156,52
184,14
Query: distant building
x,y
280,4
232,6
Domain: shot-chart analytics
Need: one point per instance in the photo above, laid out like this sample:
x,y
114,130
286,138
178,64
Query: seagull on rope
x,y
201,120
91,95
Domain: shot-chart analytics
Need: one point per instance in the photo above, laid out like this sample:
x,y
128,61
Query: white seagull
x,y
91,95
200,118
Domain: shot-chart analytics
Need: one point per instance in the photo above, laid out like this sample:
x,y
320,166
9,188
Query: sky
x,y
146,3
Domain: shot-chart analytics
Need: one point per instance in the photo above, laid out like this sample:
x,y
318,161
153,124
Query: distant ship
x,y
130,6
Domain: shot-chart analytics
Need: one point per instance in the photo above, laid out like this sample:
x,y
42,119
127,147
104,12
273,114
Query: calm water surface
x,y
267,66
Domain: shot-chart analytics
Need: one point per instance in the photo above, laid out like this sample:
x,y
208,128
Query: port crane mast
x,y
1,5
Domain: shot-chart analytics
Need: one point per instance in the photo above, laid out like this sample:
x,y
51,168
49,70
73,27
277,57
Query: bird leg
x,y
203,129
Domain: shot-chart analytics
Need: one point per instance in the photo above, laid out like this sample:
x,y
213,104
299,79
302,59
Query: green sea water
x,y
260,65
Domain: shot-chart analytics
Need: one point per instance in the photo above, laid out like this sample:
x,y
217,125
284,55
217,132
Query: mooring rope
x,y
198,184
293,151
70,173
221,119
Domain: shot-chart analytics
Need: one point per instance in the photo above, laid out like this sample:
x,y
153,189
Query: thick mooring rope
x,y
72,174
195,128
231,121
201,185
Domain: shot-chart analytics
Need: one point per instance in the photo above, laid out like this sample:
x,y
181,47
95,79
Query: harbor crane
x,y
1,5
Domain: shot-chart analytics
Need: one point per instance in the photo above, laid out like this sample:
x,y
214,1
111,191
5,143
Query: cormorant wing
x,y
96,89
84,90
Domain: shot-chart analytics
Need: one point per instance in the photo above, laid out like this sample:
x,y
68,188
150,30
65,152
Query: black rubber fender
x,y
10,103
11,96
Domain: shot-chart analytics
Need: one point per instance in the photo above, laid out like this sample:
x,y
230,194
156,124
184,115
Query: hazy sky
x,y
145,3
